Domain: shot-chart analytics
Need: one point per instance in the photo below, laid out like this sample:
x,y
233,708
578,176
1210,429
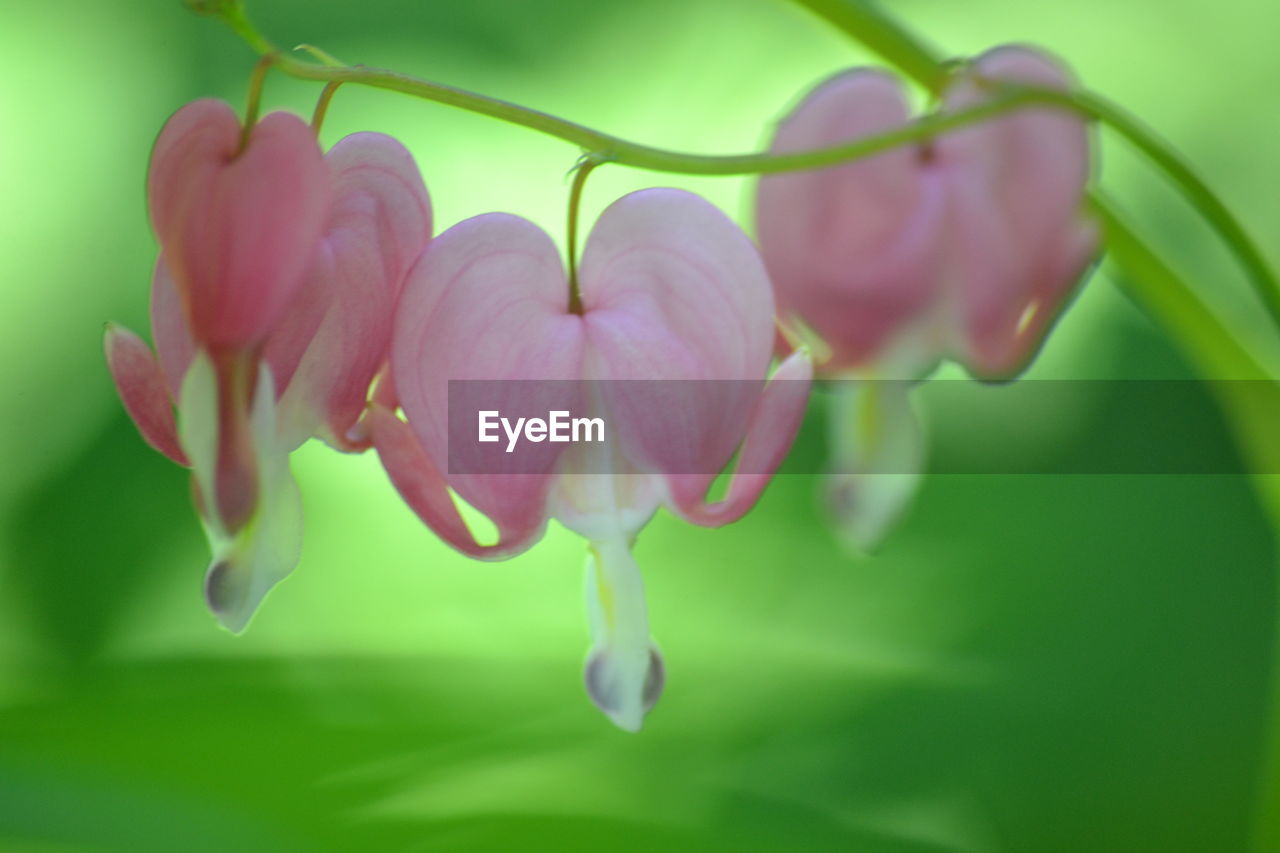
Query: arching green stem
x,y
607,148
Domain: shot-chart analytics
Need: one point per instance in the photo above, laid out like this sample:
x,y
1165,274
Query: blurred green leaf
x,y
87,542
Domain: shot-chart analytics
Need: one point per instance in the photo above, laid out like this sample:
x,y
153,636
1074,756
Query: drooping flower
x,y
671,351
272,304
966,247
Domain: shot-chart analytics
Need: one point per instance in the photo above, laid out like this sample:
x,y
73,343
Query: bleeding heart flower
x,y
671,290
968,247
272,305
237,226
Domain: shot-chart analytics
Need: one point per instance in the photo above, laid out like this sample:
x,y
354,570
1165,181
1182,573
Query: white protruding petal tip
x,y
612,685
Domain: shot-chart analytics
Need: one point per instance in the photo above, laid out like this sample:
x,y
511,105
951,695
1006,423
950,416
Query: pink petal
x,y
850,249
142,390
769,435
1034,161
1009,351
237,229
486,301
424,489
677,301
174,345
672,289
988,276
288,344
190,151
1018,183
378,225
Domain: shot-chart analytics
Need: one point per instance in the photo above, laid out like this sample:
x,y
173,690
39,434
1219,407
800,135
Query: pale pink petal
x,y
294,334
678,303
672,289
238,228
1027,173
1056,282
488,300
1034,161
850,249
174,345
424,489
676,298
769,433
190,152
378,225
142,390
988,278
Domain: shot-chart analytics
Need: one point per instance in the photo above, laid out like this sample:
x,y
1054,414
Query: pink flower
x,y
671,290
237,227
965,247
272,304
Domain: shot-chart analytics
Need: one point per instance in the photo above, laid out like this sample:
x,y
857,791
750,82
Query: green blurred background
x,y
1033,663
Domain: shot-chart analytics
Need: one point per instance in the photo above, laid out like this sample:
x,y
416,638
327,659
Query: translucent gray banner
x,y
688,427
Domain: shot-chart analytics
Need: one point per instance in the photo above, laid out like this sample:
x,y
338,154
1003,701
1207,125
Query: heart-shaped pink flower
x,y
284,338
675,301
968,247
237,226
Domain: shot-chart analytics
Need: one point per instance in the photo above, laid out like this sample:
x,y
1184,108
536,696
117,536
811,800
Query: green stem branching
x,y
876,31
